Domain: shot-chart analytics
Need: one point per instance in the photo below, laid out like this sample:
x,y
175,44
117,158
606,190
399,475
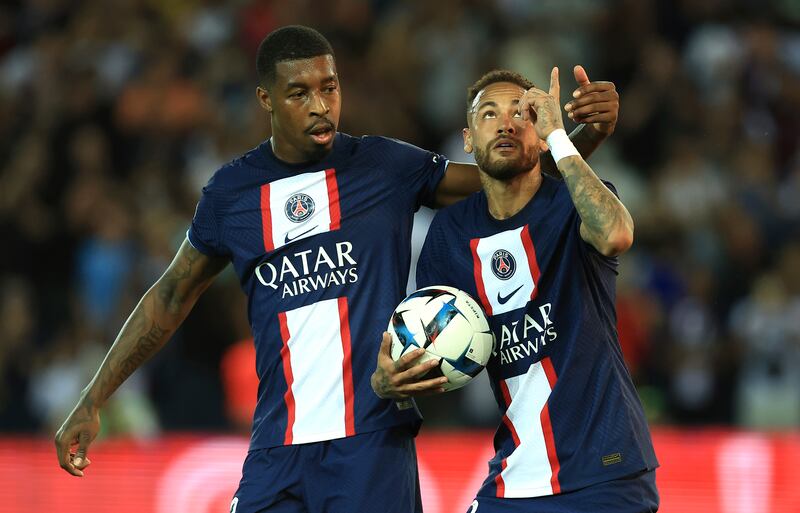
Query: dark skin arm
x,y
595,105
159,313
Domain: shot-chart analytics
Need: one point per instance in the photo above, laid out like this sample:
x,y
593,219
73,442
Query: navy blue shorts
x,y
634,494
371,472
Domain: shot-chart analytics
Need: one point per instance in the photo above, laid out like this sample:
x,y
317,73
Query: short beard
x,y
505,169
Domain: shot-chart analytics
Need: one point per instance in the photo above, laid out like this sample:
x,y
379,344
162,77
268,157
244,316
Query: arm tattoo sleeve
x,y
156,317
602,213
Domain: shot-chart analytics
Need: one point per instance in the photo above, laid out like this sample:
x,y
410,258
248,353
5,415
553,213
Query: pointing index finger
x,y
555,89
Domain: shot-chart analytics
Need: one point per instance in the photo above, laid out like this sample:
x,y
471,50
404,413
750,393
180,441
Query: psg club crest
x,y
503,264
299,207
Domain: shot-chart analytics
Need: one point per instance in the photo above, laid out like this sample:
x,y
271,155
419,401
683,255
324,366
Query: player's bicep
x,y
188,275
460,180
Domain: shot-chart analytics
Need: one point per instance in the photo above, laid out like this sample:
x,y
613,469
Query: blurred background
x,y
114,113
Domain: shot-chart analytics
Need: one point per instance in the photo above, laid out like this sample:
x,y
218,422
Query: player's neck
x,y
288,154
506,198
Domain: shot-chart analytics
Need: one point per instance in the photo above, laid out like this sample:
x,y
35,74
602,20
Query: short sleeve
x,y
611,187
423,170
203,234
430,270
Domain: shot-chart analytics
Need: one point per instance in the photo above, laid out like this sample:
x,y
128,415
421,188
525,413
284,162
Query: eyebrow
x,y
490,103
304,85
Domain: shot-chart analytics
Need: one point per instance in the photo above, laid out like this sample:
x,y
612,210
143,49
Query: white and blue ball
x,y
450,325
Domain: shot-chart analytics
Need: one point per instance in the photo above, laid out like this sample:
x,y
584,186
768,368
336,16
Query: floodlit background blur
x,y
114,113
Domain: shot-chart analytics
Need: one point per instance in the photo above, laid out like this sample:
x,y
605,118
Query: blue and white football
x,y
450,325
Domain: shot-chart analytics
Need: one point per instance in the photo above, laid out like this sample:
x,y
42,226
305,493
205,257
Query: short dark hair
x,y
492,77
288,43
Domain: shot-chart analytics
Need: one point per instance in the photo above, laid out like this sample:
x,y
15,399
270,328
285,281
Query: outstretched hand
x,y
403,378
79,430
594,103
542,108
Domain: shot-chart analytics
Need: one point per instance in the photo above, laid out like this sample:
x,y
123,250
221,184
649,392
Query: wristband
x,y
560,145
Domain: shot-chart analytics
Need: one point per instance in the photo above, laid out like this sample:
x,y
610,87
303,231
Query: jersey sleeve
x,y
203,234
611,187
430,267
421,170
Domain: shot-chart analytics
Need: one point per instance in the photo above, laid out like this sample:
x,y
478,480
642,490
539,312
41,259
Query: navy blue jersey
x,y
571,415
322,252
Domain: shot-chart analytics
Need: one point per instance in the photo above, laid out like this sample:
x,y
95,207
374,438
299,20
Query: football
x,y
450,325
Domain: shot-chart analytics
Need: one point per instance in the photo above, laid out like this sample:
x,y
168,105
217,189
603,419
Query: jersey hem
x,y
529,493
414,424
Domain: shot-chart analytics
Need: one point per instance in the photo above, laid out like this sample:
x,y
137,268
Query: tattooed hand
x,y
402,378
542,108
79,430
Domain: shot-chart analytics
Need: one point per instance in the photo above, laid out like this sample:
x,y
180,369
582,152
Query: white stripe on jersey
x,y
528,472
318,382
313,185
515,291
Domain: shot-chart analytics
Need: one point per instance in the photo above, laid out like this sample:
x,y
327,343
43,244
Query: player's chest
x,y
268,216
506,269
525,278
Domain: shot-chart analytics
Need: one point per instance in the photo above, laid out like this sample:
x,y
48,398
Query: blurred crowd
x,y
114,113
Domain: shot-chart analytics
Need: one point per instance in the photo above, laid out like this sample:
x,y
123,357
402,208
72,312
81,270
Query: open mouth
x,y
504,144
322,133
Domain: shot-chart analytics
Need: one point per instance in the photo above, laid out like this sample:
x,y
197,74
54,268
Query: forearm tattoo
x,y
152,322
600,211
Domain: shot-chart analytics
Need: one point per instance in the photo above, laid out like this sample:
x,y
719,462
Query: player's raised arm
x,y
159,313
595,106
605,222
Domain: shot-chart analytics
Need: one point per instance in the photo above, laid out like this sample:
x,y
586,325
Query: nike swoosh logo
x,y
288,239
503,300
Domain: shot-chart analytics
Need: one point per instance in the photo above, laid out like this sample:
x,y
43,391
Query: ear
x,y
264,99
467,140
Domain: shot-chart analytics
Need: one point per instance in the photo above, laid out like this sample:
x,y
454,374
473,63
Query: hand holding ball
x,y
452,328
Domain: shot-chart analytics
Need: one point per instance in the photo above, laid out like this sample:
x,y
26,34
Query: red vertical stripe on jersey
x,y
533,265
288,397
476,269
506,420
512,430
333,198
266,219
547,428
347,367
506,393
501,486
498,480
